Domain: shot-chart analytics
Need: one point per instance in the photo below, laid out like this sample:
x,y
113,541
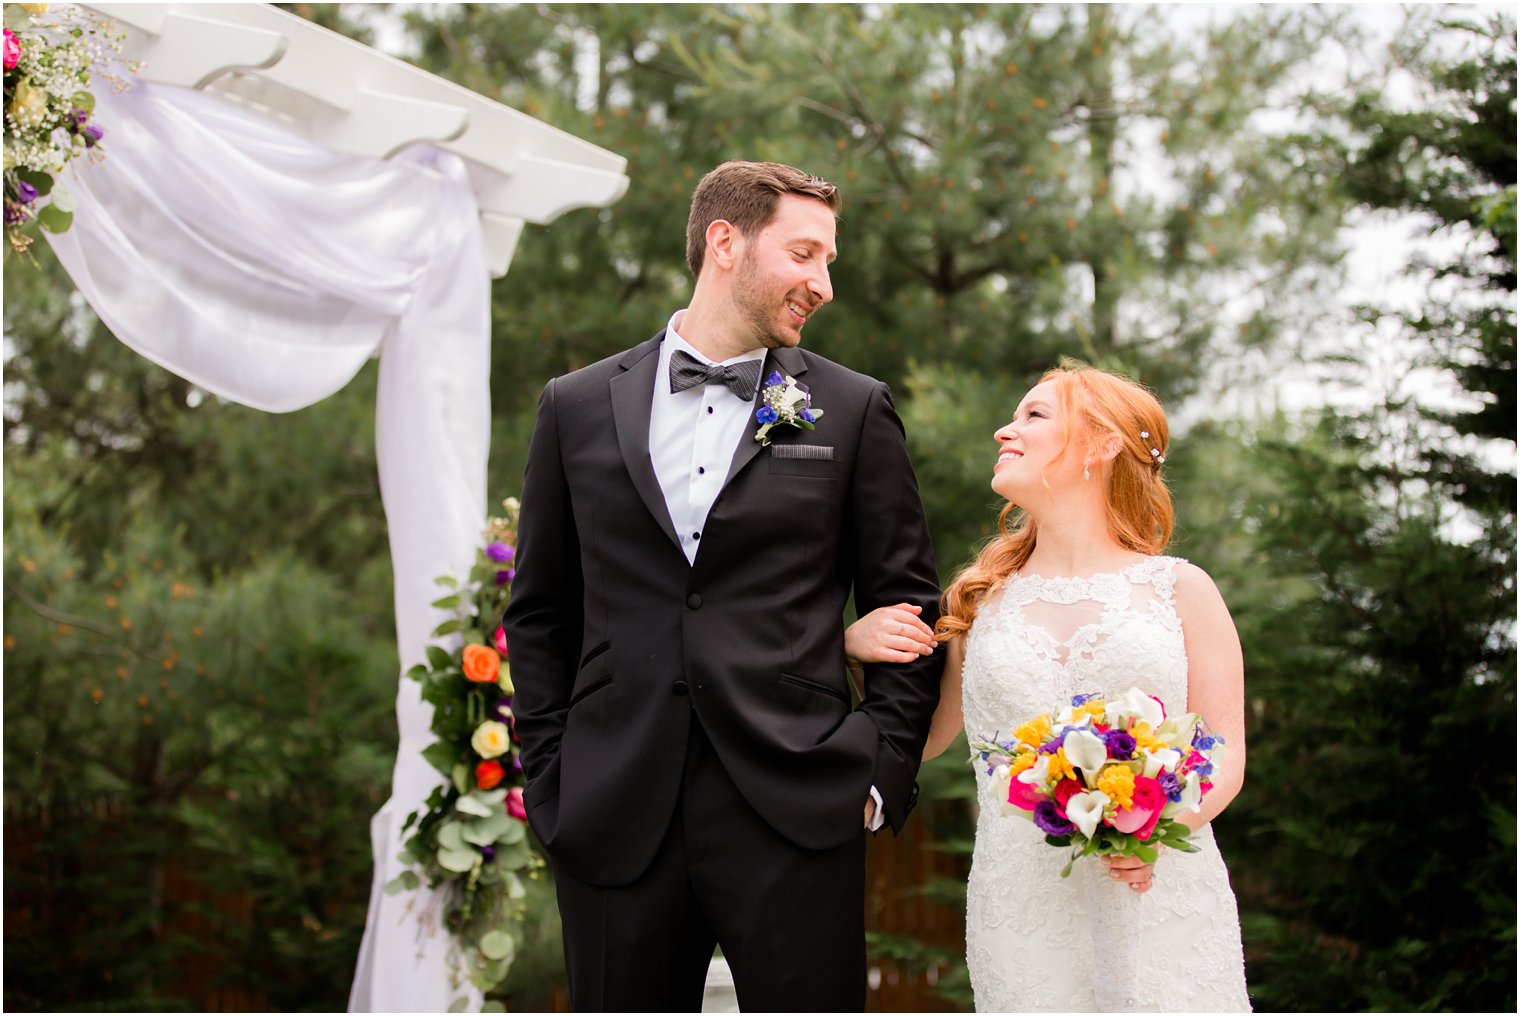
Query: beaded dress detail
x,y
1036,941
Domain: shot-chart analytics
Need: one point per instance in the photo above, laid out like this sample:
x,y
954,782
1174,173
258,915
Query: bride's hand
x,y
889,635
1132,871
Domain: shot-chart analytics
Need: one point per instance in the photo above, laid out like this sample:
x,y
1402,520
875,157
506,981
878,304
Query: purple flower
x,y
92,135
766,414
501,552
79,117
505,576
1202,741
1121,744
25,192
516,764
1049,819
488,852
14,214
1172,785
775,378
1082,696
807,416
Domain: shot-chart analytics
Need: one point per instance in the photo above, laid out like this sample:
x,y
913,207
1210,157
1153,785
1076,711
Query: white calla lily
x,y
1086,810
1134,705
1192,798
1156,761
1086,751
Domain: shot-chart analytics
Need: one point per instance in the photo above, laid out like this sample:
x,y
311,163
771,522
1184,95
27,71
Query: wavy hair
x,y
1097,404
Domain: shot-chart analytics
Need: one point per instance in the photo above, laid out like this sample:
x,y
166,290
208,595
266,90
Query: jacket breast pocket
x,y
804,460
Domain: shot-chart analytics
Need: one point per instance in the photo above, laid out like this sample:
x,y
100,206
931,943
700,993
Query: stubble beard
x,y
758,309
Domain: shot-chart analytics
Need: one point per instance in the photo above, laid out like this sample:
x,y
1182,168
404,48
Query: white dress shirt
x,y
692,438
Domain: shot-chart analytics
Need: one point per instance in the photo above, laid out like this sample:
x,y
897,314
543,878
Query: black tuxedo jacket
x,y
616,640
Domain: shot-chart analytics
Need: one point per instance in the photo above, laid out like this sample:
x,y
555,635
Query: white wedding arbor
x,y
281,203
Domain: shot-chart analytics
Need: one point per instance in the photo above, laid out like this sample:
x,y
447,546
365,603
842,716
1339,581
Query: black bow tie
x,y
686,371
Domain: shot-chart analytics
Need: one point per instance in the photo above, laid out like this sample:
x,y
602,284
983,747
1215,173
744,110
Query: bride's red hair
x,y
1096,404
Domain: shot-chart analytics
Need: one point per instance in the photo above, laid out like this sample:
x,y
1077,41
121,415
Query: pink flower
x,y
499,640
1162,705
515,805
12,50
1144,811
1024,795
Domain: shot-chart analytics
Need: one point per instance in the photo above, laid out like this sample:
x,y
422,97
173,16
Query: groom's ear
x,y
725,244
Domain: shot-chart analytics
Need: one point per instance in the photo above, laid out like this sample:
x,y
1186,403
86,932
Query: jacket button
x,y
694,601
679,688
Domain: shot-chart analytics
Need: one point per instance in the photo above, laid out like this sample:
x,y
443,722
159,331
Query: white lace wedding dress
x,y
1036,941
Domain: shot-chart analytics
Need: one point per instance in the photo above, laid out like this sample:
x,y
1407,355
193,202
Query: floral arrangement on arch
x,y
471,834
50,60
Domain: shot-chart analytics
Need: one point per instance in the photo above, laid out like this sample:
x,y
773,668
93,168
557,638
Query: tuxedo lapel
x,y
632,400
790,363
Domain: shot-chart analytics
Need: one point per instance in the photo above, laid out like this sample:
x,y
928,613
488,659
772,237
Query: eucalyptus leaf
x,y
492,797
63,200
459,861
513,856
460,1004
515,831
484,832
498,945
54,219
451,836
404,882
469,804
515,888
492,1005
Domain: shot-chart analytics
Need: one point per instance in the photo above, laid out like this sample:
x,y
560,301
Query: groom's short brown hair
x,y
746,194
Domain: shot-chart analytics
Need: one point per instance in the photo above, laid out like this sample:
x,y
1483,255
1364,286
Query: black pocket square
x,y
803,451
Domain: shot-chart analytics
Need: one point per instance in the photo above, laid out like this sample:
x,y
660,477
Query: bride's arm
x,y
1216,684
947,722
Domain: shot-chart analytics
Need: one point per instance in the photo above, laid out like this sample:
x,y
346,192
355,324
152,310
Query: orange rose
x,y
481,663
489,774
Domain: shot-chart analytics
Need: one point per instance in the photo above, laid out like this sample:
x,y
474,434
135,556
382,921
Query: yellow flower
x,y
1145,738
34,8
1061,767
1118,782
1034,733
1092,707
1022,761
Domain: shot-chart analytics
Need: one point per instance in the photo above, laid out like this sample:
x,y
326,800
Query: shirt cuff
x,y
878,817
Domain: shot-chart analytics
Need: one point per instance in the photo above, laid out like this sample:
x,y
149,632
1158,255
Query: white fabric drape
x,y
266,269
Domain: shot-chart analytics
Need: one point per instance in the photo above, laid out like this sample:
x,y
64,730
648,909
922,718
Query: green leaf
x,y
439,659
1145,853
447,628
498,945
84,101
459,861
474,635
441,756
513,856
38,179
492,1005
16,18
469,804
460,1004
404,882
55,220
447,602
418,673
486,831
461,777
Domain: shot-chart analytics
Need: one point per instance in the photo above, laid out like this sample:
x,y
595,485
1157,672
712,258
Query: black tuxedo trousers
x,y
620,647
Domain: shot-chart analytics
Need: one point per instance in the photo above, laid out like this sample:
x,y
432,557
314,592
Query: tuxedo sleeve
x,y
543,619
893,562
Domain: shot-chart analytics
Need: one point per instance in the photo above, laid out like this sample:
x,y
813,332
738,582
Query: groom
x,y
696,773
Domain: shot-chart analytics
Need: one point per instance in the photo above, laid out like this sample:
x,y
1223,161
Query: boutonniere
x,y
784,402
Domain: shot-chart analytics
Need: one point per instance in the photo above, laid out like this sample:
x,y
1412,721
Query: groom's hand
x,y
870,811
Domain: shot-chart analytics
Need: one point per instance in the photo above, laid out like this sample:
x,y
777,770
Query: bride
x,y
1073,597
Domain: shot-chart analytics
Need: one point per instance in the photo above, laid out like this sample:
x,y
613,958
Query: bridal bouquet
x,y
472,835
1104,777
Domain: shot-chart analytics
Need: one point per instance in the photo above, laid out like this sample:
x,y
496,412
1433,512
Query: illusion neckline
x,y
1122,573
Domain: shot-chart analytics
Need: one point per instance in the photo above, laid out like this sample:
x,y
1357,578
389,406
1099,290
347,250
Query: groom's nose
x,y
819,285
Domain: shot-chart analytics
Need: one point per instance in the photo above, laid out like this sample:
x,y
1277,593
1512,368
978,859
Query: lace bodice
x,y
1034,940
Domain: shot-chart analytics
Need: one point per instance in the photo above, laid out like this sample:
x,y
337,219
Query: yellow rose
x,y
491,739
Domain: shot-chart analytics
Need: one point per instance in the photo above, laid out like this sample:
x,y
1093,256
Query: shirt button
x,y
701,471
694,601
679,688
696,536
709,410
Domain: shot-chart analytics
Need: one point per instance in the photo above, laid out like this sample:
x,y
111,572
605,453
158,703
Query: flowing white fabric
x,y
266,269
1036,941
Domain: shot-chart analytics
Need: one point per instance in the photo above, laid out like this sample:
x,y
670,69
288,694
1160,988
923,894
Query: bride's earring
x,y
1086,471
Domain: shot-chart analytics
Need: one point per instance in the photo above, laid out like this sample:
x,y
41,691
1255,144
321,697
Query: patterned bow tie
x,y
686,371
